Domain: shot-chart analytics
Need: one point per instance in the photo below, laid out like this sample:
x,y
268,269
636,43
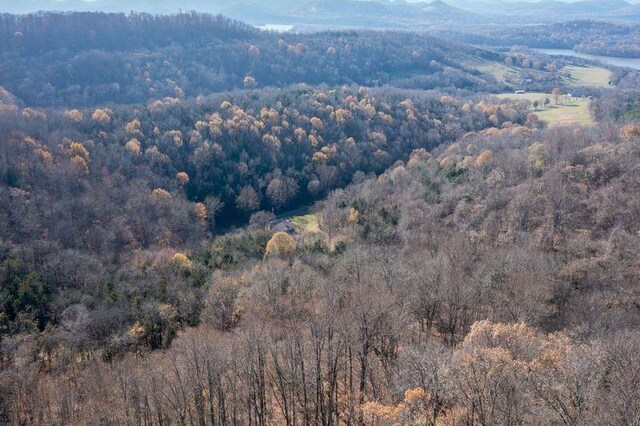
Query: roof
x,y
283,226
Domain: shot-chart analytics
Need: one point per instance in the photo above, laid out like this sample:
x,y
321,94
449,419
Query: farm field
x,y
578,76
569,111
575,76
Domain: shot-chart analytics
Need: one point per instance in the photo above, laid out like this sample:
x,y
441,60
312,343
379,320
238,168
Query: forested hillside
x,y
90,191
491,281
86,59
206,224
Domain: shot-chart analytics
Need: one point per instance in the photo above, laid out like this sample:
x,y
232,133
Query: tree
x,y
220,307
491,371
281,244
424,367
133,147
102,116
133,128
182,262
261,219
182,178
485,158
248,200
630,133
74,115
250,82
213,206
316,123
555,93
281,190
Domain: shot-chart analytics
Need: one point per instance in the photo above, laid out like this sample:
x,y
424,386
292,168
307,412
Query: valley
x,y
609,60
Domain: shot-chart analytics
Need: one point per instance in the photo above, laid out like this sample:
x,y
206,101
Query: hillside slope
x,y
504,265
88,59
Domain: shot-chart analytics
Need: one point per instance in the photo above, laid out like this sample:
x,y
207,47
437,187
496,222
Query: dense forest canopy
x,y
103,184
78,59
492,279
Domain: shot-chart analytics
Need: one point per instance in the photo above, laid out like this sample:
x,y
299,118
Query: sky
x,y
124,2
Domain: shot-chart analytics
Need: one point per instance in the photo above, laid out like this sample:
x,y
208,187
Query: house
x,y
283,226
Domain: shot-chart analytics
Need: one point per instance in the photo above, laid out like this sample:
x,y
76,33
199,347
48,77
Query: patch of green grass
x,y
568,111
579,76
566,115
307,222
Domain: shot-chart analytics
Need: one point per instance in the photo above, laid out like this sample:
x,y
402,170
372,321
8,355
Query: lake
x,y
279,28
609,60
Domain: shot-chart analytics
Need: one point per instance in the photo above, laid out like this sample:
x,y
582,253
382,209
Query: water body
x,y
609,60
279,28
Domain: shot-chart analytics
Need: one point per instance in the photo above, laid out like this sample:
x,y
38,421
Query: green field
x,y
570,75
307,222
578,76
569,111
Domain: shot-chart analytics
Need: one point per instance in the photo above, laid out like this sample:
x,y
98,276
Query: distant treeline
x,y
92,58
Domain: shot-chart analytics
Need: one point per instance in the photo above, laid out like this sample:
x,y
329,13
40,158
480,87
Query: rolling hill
x,y
89,58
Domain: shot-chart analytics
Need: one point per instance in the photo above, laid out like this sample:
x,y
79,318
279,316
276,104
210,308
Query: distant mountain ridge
x,y
382,14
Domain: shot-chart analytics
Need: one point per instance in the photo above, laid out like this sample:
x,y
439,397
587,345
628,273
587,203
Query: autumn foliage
x,y
281,244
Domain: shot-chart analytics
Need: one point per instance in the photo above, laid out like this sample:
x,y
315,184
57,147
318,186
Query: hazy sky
x,y
177,3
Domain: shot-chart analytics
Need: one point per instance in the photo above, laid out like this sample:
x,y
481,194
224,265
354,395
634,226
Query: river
x,y
609,60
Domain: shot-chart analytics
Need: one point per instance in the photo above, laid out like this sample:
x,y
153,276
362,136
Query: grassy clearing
x,y
499,70
571,75
577,76
567,115
568,112
308,223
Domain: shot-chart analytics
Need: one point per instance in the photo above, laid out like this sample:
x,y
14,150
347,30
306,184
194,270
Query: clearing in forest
x,y
585,76
568,111
500,71
308,223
